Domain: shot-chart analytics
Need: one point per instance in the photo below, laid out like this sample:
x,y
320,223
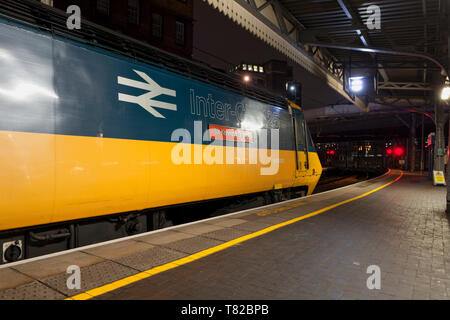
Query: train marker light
x,y
356,84
247,78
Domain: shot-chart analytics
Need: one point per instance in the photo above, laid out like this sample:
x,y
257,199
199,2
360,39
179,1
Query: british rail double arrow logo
x,y
146,100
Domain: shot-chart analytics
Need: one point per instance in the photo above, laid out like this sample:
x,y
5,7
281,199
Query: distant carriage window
x,y
180,33
133,11
103,6
157,23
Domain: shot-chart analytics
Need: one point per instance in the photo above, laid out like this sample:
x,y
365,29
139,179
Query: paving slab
x,y
199,228
47,267
10,278
164,237
226,222
118,249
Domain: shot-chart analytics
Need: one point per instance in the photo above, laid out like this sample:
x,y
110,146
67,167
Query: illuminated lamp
x,y
356,84
398,151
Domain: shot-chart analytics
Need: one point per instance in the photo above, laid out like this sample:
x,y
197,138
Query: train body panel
x,y
85,133
54,178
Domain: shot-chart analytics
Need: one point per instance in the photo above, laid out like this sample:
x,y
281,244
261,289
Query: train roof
x,y
42,17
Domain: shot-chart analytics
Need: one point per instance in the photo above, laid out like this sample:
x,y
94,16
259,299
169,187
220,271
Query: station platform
x,y
318,247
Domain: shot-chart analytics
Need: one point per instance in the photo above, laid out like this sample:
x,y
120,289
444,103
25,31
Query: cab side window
x,y
300,132
310,140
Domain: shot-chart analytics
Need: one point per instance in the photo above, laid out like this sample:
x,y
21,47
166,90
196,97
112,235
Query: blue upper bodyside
x,y
58,86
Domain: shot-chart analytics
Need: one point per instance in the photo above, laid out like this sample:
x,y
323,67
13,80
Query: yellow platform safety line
x,y
148,273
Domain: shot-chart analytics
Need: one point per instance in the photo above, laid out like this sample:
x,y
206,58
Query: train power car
x,y
101,134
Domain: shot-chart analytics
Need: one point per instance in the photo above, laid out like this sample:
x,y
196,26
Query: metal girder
x,y
383,51
362,33
403,121
355,19
404,100
262,7
360,121
279,13
404,86
265,25
387,25
406,65
253,3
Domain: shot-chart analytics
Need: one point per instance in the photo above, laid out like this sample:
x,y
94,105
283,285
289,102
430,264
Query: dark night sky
x,y
226,42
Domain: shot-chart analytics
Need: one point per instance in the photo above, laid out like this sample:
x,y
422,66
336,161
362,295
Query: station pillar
x,y
439,147
448,169
422,145
412,143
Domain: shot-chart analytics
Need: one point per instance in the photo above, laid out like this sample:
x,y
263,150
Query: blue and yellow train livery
x,y
88,134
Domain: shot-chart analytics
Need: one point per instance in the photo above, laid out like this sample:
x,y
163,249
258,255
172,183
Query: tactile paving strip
x,y
91,277
150,258
226,234
252,226
193,245
31,291
272,219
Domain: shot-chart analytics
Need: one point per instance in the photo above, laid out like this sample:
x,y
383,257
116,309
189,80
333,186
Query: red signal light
x,y
389,152
332,152
399,151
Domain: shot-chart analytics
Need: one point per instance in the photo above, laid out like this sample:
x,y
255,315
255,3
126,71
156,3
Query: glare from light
x,y
6,56
356,84
251,125
398,151
292,88
25,90
445,95
246,78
